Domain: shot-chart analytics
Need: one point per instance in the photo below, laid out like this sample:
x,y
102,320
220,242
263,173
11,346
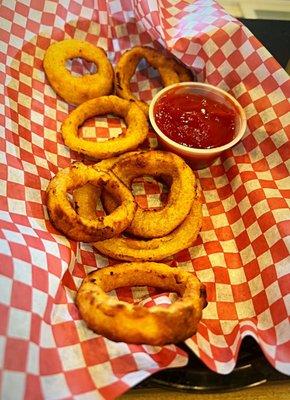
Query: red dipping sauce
x,y
194,121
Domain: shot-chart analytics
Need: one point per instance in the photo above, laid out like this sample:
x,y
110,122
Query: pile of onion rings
x,y
132,323
127,232
148,223
90,92
155,239
150,238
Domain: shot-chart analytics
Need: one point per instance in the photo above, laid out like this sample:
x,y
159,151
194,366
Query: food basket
x,y
241,254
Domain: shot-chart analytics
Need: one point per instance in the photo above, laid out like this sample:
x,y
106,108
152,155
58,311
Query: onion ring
x,y
132,323
74,89
136,133
148,223
169,69
130,249
76,227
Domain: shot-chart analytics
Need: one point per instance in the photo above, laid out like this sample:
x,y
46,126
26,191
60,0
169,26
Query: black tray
x,y
252,369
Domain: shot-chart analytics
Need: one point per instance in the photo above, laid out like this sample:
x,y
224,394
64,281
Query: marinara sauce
x,y
194,121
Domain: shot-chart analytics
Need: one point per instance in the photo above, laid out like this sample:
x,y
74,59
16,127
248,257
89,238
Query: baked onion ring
x,y
132,323
150,223
88,229
75,89
131,249
169,69
136,133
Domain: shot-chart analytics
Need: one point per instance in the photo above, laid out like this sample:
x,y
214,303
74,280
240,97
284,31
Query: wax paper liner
x,y
241,254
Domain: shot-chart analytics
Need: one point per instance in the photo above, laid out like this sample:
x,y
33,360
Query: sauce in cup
x,y
194,120
197,121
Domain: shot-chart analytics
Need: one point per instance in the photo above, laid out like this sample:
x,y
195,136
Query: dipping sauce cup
x,y
197,121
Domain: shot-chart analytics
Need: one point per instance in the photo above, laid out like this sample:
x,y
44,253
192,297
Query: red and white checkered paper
x,y
241,255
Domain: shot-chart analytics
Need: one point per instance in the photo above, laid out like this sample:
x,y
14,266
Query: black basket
x,y
252,369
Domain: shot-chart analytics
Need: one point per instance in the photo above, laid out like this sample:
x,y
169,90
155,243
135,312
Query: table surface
x,y
267,391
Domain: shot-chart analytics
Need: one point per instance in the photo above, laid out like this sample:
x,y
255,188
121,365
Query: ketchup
x,y
194,121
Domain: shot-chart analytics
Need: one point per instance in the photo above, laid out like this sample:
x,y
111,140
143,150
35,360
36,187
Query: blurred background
x,y
269,21
258,9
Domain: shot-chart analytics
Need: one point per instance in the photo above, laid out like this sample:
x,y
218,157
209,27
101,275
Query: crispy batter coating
x,y
150,223
87,229
135,119
132,323
170,71
75,89
133,249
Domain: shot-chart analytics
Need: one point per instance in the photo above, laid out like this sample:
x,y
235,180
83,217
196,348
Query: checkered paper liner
x,y
241,255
